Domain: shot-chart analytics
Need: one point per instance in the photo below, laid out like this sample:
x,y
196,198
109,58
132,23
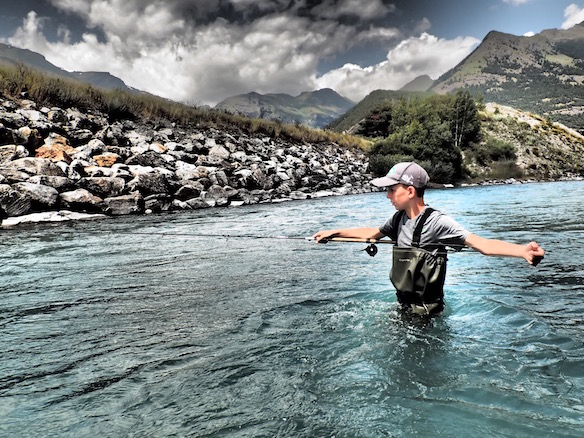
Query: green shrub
x,y
505,169
490,151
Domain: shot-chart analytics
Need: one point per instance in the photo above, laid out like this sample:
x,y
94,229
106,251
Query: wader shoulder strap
x,y
418,231
397,218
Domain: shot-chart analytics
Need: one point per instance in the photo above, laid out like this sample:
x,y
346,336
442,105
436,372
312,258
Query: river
x,y
135,326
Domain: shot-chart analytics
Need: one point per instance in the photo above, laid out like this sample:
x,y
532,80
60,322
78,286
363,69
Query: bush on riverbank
x,y
434,131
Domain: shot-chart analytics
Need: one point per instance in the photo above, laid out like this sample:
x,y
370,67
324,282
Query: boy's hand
x,y
535,253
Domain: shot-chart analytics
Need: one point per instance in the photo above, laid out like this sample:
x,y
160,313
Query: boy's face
x,y
400,195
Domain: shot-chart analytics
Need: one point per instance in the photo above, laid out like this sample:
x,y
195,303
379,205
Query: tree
x,y
465,123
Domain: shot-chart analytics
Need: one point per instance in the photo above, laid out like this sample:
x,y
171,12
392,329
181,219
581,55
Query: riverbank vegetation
x,y
458,138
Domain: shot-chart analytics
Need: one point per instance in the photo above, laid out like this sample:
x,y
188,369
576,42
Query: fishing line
x,y
371,249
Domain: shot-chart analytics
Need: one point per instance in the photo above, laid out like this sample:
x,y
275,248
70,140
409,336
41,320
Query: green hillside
x,y
543,74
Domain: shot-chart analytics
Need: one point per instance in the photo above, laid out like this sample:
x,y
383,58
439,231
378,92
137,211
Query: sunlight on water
x,y
137,327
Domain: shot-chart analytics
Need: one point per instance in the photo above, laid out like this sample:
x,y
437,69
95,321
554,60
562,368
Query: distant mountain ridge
x,y
14,55
543,73
312,108
421,83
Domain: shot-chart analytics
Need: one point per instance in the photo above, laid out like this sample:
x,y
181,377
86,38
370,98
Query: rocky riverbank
x,y
54,159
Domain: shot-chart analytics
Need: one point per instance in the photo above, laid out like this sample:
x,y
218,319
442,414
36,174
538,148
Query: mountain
x,y
543,73
421,83
14,55
315,109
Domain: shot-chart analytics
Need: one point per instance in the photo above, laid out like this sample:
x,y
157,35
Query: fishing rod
x,y
371,249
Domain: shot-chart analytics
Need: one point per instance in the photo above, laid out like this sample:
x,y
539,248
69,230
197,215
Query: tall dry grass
x,y
49,90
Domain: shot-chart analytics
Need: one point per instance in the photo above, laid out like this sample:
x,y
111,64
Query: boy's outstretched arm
x,y
531,252
359,233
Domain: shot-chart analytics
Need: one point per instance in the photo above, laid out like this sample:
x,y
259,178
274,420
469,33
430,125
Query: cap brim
x,y
384,181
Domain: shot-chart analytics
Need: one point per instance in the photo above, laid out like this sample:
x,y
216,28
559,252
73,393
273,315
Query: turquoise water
x,y
127,327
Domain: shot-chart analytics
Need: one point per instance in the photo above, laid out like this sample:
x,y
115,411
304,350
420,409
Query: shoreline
x,y
60,216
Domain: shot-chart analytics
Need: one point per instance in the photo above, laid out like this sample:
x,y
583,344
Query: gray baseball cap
x,y
410,174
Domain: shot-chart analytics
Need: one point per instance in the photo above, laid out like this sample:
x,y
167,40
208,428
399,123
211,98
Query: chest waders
x,y
417,273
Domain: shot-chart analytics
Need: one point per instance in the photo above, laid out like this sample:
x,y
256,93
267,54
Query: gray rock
x,y
297,195
12,120
81,200
77,168
148,159
32,115
12,175
41,196
80,137
36,166
124,205
13,202
177,204
245,197
219,152
60,183
57,115
7,153
157,203
103,186
216,196
94,147
198,203
149,184
187,171
189,191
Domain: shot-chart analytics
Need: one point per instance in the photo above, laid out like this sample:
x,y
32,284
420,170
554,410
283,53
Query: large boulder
x,y
219,152
190,190
149,184
197,204
42,197
157,203
104,186
187,171
11,176
13,202
81,200
148,159
124,205
36,166
7,153
216,196
60,183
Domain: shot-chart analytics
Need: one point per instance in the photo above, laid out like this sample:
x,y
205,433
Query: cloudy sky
x,y
202,51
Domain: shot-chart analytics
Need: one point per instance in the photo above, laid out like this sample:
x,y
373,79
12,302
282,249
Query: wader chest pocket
x,y
418,275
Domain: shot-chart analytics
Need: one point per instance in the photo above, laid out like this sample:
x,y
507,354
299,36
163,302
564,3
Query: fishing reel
x,y
371,249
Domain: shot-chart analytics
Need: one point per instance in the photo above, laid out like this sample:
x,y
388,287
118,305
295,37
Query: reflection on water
x,y
136,327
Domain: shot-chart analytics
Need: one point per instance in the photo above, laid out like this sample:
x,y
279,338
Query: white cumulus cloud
x,y
574,15
411,58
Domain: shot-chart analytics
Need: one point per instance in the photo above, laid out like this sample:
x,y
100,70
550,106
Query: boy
x,y
422,234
